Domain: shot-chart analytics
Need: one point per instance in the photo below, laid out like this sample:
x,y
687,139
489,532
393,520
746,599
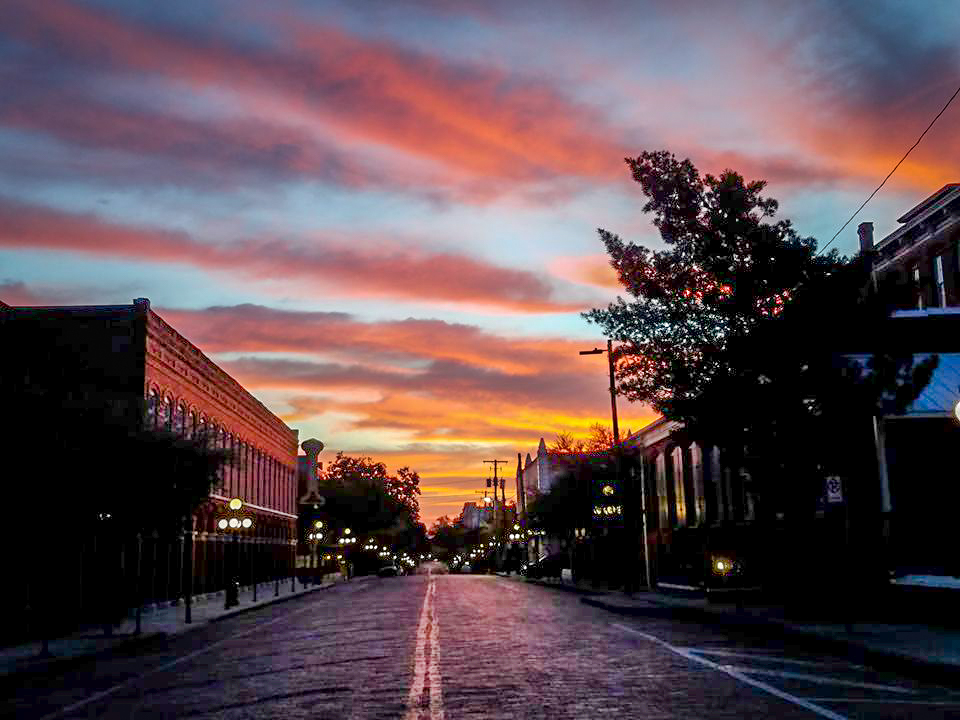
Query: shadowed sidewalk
x,y
155,623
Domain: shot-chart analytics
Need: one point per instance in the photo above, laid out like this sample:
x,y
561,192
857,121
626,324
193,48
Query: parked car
x,y
548,566
388,571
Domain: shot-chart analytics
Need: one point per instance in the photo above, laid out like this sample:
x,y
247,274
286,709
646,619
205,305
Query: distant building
x,y
476,516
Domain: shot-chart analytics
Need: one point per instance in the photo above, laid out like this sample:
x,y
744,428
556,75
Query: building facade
x,y
127,361
922,254
187,393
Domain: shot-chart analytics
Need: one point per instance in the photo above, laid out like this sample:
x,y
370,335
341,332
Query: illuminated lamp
x,y
234,523
346,531
247,522
236,504
607,490
318,524
222,524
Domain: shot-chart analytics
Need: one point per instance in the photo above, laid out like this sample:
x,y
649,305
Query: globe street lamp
x,y
315,537
234,523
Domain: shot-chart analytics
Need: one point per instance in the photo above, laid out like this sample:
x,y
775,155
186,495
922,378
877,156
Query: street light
x,y
235,523
314,538
613,385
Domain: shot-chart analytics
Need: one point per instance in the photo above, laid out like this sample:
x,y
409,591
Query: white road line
x,y
436,681
806,704
817,679
770,658
425,669
419,658
888,701
166,666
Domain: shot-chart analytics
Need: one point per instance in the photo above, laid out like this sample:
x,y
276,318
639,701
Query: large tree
x,y
727,266
739,329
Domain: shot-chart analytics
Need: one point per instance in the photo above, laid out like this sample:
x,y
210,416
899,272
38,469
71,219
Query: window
x,y
180,419
167,418
152,409
191,424
915,276
938,274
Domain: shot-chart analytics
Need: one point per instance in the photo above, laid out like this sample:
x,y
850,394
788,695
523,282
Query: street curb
x,y
248,608
44,666
566,588
919,668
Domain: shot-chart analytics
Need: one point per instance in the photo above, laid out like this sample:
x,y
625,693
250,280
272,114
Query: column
x,y
699,505
660,463
679,494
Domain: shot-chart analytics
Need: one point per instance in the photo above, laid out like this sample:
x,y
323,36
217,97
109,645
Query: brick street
x,y
467,647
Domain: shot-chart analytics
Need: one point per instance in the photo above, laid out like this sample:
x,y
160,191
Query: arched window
x,y
179,418
167,418
191,425
213,436
202,428
151,418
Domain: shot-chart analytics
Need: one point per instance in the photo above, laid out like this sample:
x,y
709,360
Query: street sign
x,y
834,489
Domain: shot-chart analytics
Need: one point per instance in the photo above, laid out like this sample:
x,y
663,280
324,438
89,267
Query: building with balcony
x,y
923,253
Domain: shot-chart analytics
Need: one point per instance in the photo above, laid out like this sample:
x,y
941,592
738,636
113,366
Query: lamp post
x,y
613,385
616,458
315,537
235,522
345,542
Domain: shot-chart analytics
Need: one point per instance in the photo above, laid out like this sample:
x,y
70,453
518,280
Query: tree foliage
x,y
116,476
600,439
362,495
568,502
727,267
741,332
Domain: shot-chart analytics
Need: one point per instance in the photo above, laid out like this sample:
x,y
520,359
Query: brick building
x,y
923,253
127,360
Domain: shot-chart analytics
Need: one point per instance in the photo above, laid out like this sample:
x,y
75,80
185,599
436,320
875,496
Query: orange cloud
x,y
472,120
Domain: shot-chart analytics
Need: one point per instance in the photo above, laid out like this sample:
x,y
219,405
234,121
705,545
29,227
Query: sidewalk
x,y
934,651
155,624
913,648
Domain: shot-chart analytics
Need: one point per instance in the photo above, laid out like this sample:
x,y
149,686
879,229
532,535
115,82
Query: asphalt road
x,y
469,647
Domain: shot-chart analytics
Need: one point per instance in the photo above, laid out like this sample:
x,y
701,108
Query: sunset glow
x,y
380,218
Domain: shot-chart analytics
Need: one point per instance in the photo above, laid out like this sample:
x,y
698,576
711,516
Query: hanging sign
x,y
834,489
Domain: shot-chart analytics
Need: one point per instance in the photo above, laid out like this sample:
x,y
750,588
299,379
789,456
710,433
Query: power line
x,y
942,110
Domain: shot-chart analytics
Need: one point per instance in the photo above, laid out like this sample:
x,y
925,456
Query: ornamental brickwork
x,y
188,393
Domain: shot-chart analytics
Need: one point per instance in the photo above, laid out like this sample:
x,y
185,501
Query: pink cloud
x,y
353,271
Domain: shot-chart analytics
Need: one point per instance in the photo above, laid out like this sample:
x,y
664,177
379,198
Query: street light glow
x,y
234,523
247,522
236,504
222,524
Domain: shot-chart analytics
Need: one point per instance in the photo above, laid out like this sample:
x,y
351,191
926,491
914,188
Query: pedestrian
x,y
349,571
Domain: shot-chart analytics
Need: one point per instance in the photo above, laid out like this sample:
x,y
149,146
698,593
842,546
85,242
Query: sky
x,y
381,217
